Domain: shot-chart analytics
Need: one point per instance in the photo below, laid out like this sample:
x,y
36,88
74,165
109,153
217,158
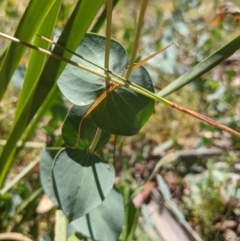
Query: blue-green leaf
x,y
81,181
87,129
124,112
82,87
104,222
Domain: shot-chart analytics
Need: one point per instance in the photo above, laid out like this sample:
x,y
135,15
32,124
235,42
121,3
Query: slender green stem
x,y
33,196
108,41
137,37
28,144
19,176
121,81
128,84
95,140
106,66
60,226
83,58
114,151
102,18
201,117
49,53
201,68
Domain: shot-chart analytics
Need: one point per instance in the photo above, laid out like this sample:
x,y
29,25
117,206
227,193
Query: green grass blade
x,y
203,67
36,62
30,22
70,38
35,66
19,176
72,34
131,219
36,59
53,95
97,26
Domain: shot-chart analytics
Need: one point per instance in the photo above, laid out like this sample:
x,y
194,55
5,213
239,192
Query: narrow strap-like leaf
x,y
203,67
75,29
34,14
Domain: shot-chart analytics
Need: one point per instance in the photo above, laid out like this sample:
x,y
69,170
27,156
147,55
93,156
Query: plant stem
x,y
183,109
95,140
29,144
143,61
81,57
108,42
49,53
137,37
60,226
19,176
130,85
33,196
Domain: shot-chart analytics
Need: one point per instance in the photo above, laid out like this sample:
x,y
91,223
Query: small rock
x,y
44,205
226,225
230,235
238,229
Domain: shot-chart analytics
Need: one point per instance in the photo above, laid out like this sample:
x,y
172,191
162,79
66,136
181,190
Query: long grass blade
x,y
34,69
34,14
102,18
72,34
203,67
141,90
37,59
137,37
78,24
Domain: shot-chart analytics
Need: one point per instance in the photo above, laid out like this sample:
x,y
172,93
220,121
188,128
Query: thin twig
x,y
29,144
19,176
137,37
143,61
108,42
130,85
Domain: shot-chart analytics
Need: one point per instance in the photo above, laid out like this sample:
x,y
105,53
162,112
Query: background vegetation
x,y
204,180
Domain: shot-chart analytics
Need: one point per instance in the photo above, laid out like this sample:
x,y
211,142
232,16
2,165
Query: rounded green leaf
x,y
104,222
81,181
124,112
82,87
87,130
46,163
